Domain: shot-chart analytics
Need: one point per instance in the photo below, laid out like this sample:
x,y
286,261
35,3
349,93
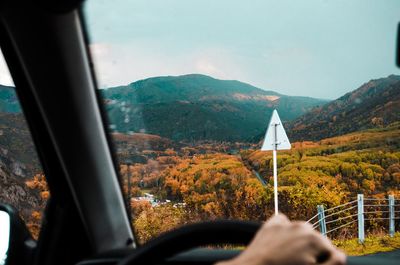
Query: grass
x,y
372,244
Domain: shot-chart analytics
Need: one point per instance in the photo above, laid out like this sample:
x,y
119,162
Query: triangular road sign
x,y
275,137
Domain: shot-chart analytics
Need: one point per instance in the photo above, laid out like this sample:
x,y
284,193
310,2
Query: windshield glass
x,y
22,181
190,89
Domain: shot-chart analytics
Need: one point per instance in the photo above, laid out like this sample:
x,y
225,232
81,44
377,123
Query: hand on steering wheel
x,y
277,242
281,242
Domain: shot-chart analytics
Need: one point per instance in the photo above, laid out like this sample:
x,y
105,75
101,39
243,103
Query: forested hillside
x,y
190,169
214,185
374,105
198,107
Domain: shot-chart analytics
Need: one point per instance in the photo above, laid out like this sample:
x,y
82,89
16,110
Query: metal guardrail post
x,y
360,215
321,219
391,215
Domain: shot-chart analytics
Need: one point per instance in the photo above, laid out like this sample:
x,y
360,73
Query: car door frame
x,y
45,47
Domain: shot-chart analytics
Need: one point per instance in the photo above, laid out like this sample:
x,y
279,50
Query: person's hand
x,y
281,242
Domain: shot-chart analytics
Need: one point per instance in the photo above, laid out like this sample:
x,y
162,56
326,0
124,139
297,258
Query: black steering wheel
x,y
191,236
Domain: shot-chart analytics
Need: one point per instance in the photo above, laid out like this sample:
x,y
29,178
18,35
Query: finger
x,y
325,252
277,219
313,243
306,251
323,257
337,258
306,227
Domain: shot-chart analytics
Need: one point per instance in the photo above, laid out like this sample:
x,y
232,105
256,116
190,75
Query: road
x,y
263,181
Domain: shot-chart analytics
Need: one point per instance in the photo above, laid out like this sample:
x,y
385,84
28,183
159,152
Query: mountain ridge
x,y
376,103
8,100
232,83
197,107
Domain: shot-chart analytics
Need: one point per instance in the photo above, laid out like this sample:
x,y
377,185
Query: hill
x,y
373,105
8,100
332,171
139,147
18,164
216,185
198,107
17,144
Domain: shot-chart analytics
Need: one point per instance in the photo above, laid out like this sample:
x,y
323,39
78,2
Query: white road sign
x,y
275,137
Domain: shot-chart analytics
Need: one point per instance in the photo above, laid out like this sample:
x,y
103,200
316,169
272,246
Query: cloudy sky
x,y
319,48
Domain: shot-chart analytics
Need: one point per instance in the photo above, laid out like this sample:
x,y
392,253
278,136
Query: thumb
x,y
277,219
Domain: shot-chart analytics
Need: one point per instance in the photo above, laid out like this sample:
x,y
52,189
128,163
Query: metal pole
x,y
391,216
321,219
360,208
275,168
275,182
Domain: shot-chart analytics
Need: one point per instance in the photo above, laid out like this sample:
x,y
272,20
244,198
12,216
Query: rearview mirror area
x,y
4,236
16,243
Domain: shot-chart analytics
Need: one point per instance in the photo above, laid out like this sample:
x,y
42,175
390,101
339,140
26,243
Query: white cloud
x,y
205,66
123,64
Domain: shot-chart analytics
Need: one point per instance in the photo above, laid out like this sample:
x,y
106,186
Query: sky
x,y
318,48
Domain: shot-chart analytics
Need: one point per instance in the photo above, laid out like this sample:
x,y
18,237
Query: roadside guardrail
x,y
357,211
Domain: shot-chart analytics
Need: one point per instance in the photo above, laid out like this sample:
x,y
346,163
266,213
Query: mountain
x,y
17,144
197,107
373,105
13,189
18,163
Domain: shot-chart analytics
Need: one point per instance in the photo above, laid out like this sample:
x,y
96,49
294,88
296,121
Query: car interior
x,y
86,221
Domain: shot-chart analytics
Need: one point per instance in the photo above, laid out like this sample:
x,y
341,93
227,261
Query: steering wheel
x,y
191,236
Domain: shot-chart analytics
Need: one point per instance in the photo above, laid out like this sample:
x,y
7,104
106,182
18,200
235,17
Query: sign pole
x,y
275,168
275,182
275,139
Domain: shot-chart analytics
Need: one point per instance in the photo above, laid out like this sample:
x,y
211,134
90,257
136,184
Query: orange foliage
x,y
33,224
38,182
137,207
153,221
215,186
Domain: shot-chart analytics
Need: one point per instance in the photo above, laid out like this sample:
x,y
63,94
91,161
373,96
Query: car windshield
x,y
200,95
22,181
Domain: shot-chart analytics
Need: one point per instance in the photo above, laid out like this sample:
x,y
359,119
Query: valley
x,y
188,149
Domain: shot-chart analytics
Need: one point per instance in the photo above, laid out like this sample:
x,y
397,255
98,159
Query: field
x,y
214,180
172,184
373,244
